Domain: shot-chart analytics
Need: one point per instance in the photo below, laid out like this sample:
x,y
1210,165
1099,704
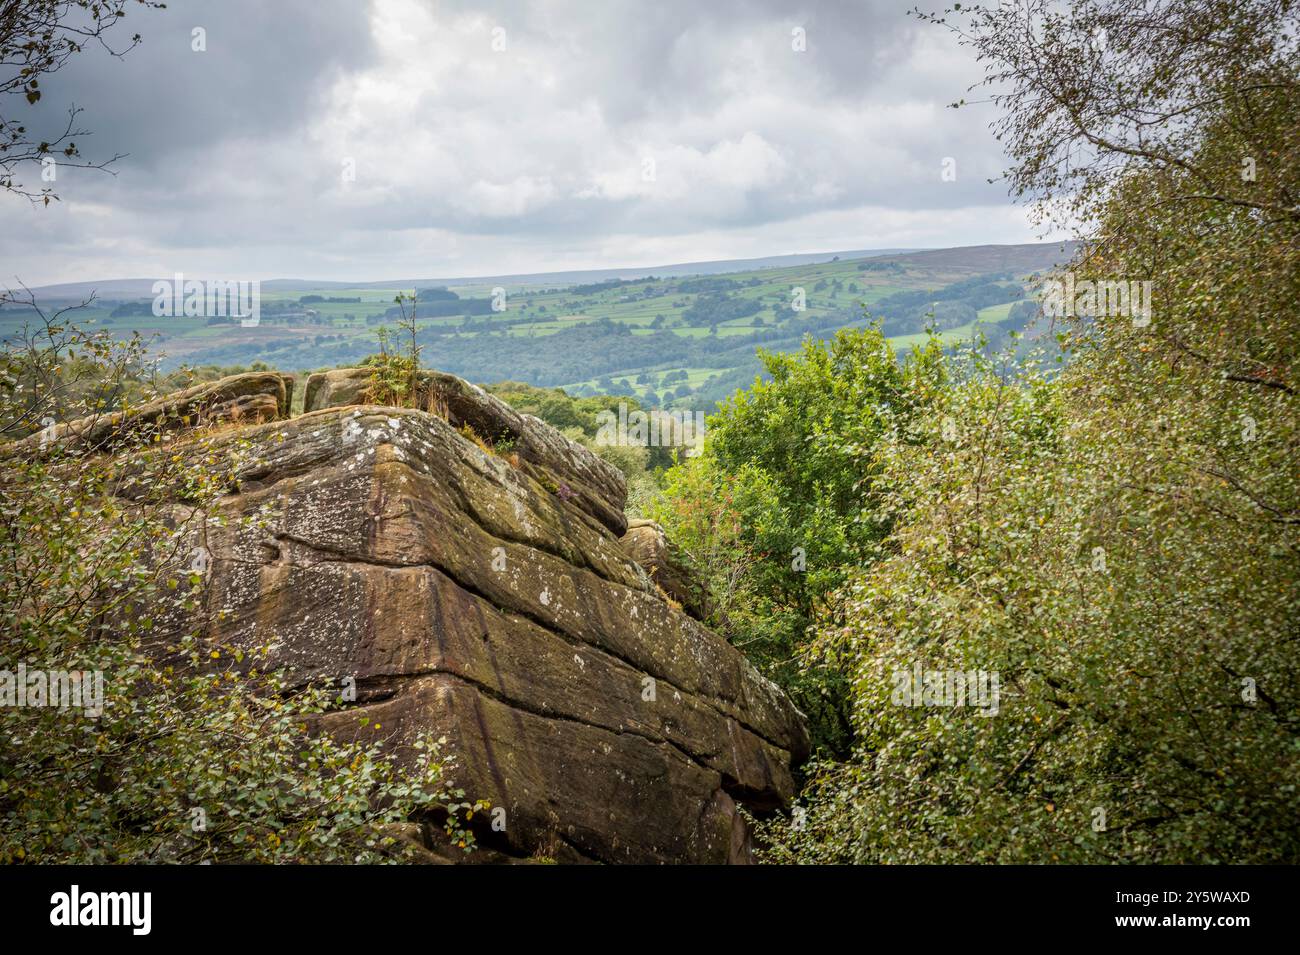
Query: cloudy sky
x,y
374,139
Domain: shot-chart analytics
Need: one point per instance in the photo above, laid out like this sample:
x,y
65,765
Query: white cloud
x,y
465,158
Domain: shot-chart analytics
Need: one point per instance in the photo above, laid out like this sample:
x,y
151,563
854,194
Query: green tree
x,y
779,508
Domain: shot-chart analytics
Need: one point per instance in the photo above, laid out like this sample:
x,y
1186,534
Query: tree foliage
x,y
777,509
1118,541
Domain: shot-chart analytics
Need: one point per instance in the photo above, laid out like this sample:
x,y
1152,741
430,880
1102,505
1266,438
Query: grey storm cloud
x,y
262,73
341,138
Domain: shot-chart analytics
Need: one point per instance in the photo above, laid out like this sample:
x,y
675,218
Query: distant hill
x,y
679,270
118,289
979,259
1031,257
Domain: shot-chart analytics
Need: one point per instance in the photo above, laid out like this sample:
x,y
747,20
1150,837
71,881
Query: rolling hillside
x,y
686,337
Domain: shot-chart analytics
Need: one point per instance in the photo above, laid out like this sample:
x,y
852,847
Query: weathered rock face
x,y
469,594
647,544
547,456
335,388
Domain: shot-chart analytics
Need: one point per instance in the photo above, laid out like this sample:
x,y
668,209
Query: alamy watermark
x,y
65,689
1068,297
208,298
75,907
657,429
979,689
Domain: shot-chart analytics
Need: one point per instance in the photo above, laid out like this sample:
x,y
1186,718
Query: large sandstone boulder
x,y
467,593
461,569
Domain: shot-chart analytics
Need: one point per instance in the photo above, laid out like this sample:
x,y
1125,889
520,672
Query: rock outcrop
x,y
648,545
547,456
247,398
462,569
